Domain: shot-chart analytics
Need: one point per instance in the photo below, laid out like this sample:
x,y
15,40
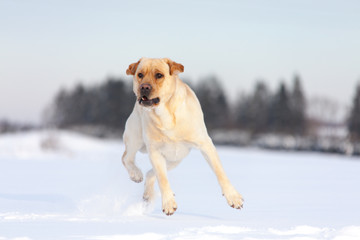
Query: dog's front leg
x,y
209,152
159,166
128,159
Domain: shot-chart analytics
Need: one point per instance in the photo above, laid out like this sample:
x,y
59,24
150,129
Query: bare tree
x,y
323,113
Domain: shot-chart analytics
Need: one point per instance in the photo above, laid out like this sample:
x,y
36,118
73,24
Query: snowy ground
x,y
81,191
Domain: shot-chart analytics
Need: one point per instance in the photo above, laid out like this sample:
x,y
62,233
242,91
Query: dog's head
x,y
154,79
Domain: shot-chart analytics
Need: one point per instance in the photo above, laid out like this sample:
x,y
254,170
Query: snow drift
x,y
61,185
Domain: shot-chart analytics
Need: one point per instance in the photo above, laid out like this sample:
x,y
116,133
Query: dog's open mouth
x,y
148,102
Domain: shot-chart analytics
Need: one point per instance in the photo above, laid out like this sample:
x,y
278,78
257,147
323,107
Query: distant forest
x,y
283,111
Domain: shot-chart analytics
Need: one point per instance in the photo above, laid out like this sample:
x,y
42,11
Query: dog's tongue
x,y
144,98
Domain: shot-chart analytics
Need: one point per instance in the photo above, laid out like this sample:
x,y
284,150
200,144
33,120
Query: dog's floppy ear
x,y
132,68
175,68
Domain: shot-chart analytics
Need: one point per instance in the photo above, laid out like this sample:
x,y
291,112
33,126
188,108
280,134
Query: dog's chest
x,y
174,151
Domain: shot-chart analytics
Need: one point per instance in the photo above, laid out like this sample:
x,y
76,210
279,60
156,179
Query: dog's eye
x,y
158,75
140,75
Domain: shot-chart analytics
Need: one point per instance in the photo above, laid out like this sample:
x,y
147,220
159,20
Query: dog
x,y
166,122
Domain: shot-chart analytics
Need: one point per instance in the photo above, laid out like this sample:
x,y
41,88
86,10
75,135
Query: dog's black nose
x,y
145,89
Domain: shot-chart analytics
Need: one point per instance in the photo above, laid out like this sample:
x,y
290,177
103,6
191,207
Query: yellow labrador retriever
x,y
167,121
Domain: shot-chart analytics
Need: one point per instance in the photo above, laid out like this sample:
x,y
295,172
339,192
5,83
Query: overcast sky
x,y
46,45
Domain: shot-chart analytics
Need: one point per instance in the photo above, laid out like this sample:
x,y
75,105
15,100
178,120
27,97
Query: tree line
x,y
282,111
108,104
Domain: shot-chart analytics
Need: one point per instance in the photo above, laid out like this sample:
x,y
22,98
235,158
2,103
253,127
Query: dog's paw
x,y
136,175
234,199
169,206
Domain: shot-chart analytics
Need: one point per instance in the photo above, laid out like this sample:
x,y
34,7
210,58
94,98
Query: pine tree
x,y
298,108
118,103
259,109
57,111
241,112
354,119
78,106
213,103
280,112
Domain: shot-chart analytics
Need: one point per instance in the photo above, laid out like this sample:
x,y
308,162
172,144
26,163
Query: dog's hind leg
x,y
149,193
233,198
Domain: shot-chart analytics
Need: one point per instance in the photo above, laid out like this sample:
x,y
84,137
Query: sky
x,y
48,45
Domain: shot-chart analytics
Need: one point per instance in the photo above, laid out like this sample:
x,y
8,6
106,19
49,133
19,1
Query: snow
x,y
62,185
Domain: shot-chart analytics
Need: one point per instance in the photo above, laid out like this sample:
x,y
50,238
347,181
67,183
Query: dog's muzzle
x,y
145,90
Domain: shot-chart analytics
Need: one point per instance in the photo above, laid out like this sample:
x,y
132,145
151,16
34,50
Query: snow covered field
x,y
75,187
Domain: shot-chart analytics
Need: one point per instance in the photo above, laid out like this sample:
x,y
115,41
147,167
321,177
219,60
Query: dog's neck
x,y
164,114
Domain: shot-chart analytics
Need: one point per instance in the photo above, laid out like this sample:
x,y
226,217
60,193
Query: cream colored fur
x,y
167,132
